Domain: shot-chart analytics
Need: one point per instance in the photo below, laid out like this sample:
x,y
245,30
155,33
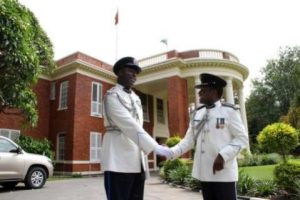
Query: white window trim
x,y
99,101
10,132
52,90
57,146
97,149
60,107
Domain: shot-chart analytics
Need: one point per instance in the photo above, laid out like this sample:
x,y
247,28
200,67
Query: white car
x,y
18,166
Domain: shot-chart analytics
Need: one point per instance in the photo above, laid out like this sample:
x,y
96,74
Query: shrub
x,y
178,175
249,160
171,165
172,141
245,183
278,137
287,175
257,160
263,188
30,145
192,183
270,159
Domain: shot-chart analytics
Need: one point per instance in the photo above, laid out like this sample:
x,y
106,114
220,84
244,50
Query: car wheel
x,y
9,185
35,178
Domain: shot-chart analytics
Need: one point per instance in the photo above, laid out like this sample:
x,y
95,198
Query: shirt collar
x,y
216,104
121,87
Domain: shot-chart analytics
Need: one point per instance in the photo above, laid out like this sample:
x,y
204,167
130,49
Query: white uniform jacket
x,y
125,142
223,133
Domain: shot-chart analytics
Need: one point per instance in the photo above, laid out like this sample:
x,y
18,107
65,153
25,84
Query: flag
x,y
117,17
165,41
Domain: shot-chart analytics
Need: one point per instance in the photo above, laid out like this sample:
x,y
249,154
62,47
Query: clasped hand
x,y
164,151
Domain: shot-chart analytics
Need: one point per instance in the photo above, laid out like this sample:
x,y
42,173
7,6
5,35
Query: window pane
x,y
4,133
64,94
94,107
61,147
160,111
144,100
95,92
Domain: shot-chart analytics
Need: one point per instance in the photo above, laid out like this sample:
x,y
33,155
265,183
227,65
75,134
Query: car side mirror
x,y
17,150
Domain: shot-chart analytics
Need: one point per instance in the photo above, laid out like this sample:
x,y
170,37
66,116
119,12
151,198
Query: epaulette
x,y
229,105
193,112
112,90
199,108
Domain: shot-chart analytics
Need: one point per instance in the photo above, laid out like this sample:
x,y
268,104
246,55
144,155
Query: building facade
x,y
70,102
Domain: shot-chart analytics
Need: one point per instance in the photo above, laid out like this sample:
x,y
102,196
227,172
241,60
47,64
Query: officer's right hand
x,y
164,151
218,164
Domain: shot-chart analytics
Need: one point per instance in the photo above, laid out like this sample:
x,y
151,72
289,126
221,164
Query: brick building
x,y
70,102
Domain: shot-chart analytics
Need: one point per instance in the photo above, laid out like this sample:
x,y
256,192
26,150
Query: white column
x,y
243,112
229,91
197,82
242,107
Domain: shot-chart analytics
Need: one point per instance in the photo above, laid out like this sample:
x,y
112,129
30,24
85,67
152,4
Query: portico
x,y
171,76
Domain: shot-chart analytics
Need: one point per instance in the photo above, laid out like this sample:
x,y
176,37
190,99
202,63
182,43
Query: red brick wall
x,y
8,121
177,105
76,121
42,91
84,123
63,120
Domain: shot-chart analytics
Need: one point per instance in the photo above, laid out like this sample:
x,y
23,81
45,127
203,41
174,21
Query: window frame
x,y
158,119
10,133
95,151
145,107
58,147
99,99
63,103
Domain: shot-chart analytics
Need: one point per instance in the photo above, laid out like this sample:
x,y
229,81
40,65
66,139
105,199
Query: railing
x,y
200,54
153,60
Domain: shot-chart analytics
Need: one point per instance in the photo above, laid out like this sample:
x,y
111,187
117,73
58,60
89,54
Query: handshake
x,y
164,151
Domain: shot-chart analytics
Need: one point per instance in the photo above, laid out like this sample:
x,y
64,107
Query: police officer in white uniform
x,y
126,144
218,134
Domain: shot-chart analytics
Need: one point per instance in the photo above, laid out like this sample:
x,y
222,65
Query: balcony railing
x,y
195,54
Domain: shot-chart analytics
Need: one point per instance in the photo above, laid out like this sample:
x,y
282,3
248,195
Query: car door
x,y
11,162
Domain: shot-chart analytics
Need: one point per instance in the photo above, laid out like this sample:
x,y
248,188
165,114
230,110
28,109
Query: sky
x,y
253,30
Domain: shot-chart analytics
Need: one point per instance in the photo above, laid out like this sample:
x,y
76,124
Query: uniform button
x,y
203,140
202,151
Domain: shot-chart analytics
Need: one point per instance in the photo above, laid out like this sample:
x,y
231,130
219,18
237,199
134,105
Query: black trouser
x,y
218,190
124,186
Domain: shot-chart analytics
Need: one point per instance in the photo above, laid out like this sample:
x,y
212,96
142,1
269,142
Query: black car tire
x,y
9,185
35,178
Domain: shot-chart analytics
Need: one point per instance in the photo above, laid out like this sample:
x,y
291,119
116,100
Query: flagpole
x,y
116,42
116,24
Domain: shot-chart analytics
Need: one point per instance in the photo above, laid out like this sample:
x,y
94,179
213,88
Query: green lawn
x,y
295,161
264,172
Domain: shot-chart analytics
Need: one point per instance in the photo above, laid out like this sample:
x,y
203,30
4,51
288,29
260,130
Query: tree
x,y
24,49
278,137
262,109
282,77
275,91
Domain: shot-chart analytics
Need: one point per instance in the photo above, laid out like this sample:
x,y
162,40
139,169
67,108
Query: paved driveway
x,y
93,189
